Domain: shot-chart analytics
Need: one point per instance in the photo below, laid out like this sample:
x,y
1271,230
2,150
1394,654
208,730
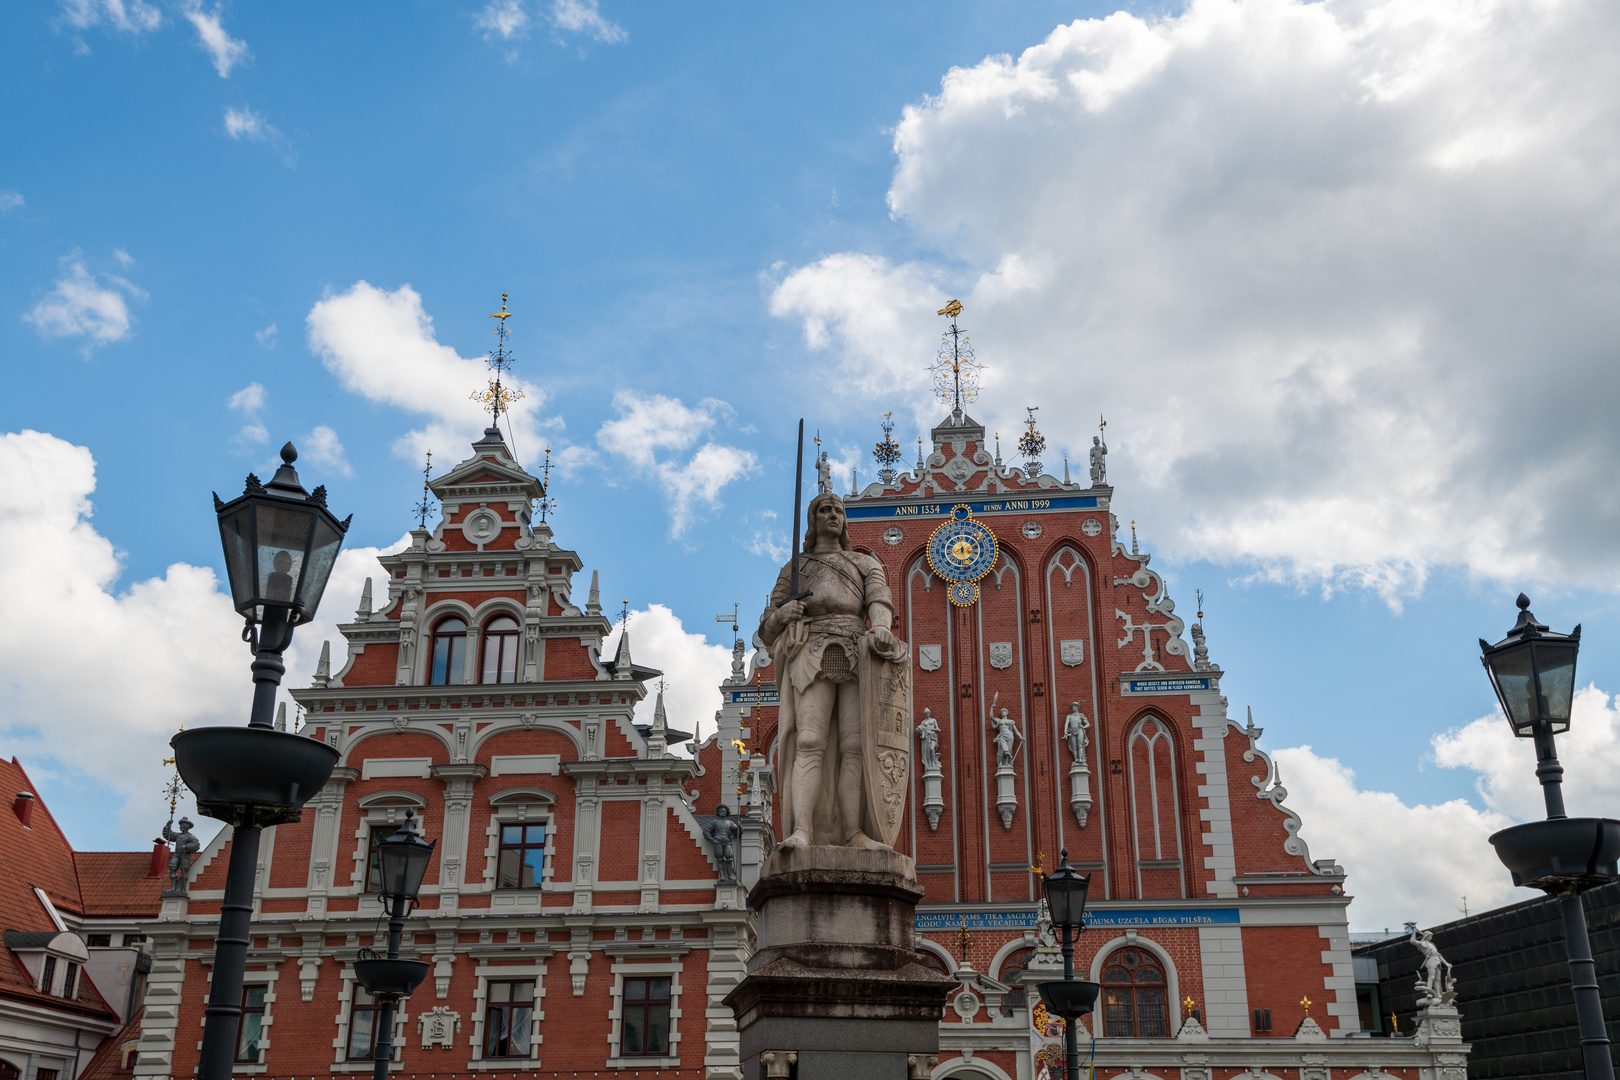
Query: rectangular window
x,y
379,833
522,858
45,1074
362,1025
1262,1020
506,1019
70,980
98,940
252,1029
48,980
134,939
644,1024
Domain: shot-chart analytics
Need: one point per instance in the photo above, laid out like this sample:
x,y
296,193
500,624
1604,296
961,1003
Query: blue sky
x,y
1332,301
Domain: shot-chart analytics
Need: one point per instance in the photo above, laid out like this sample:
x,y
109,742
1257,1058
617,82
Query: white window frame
x,y
488,973
376,808
533,811
267,979
621,969
341,1062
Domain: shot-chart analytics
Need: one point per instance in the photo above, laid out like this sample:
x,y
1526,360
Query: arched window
x,y
1155,815
500,650
1134,996
449,652
1011,968
8,1071
930,960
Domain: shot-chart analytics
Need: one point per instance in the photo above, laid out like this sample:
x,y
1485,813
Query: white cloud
x,y
136,17
1331,269
768,540
249,401
505,19
1394,881
225,50
693,670
266,337
323,449
584,17
10,200
85,305
648,425
246,124
382,346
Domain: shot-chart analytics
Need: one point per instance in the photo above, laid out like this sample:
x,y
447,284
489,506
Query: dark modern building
x,y
1512,985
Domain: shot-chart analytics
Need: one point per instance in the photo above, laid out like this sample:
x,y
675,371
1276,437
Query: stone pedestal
x,y
933,803
1080,791
1006,794
834,982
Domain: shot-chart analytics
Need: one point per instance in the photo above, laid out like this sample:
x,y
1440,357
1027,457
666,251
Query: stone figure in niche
x,y
722,834
1075,726
184,854
1099,461
1007,736
1435,986
928,737
845,686
823,475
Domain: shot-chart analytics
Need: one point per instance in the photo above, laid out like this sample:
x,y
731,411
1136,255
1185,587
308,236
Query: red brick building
x,y
574,915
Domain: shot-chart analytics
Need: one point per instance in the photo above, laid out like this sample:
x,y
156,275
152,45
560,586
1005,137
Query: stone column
x,y
328,807
1006,794
458,781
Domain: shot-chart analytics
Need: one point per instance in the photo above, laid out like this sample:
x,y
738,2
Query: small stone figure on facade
x,y
1099,461
928,736
823,475
1075,726
1435,986
185,851
1200,648
722,833
1044,934
1007,736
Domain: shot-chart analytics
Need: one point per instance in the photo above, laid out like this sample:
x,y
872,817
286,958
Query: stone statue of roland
x,y
845,685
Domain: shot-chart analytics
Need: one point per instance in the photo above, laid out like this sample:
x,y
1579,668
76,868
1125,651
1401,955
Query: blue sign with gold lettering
x,y
855,511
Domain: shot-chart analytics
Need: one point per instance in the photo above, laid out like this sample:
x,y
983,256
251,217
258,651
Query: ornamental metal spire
x,y
545,503
955,369
425,505
1031,444
887,451
497,398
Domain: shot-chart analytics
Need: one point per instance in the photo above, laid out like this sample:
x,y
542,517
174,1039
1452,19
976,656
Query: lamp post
x,y
1071,999
402,861
280,545
1533,673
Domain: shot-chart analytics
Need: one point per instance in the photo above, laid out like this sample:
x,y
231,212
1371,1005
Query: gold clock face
x,y
964,551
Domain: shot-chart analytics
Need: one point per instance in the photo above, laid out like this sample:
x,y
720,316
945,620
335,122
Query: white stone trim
x,y
1342,983
620,969
341,1062
1226,986
959,1066
535,813
486,974
1209,750
1025,942
267,979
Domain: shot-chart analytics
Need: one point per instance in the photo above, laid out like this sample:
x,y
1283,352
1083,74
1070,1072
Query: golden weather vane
x,y
175,785
955,368
1199,593
545,504
732,619
497,398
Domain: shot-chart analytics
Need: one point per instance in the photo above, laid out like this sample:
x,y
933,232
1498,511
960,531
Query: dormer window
x,y
500,650
449,652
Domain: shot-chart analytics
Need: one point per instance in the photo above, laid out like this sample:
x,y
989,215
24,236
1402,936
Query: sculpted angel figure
x,y
1007,736
844,681
1075,726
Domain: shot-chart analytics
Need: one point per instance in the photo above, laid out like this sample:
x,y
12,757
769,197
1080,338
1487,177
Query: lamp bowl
x,y
1561,856
252,776
390,979
1070,998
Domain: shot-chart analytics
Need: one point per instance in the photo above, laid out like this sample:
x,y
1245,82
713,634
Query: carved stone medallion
x,y
1001,654
1072,653
1091,526
892,535
1032,529
929,657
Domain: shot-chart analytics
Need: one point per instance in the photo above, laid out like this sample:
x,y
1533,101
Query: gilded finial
x,y
963,938
497,398
424,506
955,368
1189,1004
1305,1003
1199,593
952,309
545,504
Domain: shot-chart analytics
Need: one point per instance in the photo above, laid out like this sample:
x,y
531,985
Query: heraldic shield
x,y
886,739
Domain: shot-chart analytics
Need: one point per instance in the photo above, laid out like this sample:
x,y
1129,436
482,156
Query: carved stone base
x,y
1006,794
1080,791
933,798
835,977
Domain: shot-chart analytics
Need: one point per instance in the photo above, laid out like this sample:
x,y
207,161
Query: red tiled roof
x,y
106,1065
114,883
37,855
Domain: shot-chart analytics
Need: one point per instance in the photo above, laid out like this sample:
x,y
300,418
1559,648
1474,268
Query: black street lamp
x,y
402,861
1071,999
280,545
1533,672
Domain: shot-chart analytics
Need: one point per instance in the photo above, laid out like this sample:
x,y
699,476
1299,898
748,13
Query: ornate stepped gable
x,y
572,878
